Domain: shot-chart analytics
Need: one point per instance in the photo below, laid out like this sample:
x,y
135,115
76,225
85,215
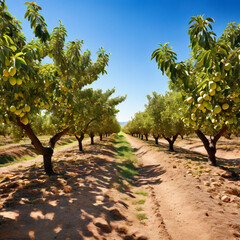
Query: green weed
x,y
141,216
138,202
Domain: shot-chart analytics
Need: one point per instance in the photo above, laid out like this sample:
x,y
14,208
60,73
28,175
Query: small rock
x,y
67,189
225,198
174,166
214,184
207,184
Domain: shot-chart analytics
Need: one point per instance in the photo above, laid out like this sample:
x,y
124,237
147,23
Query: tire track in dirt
x,y
159,219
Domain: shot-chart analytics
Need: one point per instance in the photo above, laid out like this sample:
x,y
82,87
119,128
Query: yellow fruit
x,y
218,88
200,106
236,100
200,99
212,92
5,78
217,109
12,71
12,81
212,85
190,100
225,106
27,108
209,107
5,73
18,112
205,97
19,81
12,109
217,77
227,66
24,121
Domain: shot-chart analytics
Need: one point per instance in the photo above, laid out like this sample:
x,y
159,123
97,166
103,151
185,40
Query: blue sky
x,y
131,31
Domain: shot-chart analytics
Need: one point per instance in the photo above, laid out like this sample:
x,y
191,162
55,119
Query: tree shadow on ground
x,y
150,175
65,207
182,153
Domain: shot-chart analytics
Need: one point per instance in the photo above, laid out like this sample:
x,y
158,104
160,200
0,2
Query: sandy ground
x,y
190,195
177,194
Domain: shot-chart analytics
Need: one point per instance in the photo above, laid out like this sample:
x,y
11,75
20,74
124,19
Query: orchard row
x,y
29,88
205,88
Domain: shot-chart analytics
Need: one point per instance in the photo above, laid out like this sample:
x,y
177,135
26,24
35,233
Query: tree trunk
x,y
106,134
211,146
100,137
171,146
146,136
47,159
47,152
171,141
141,137
156,140
80,142
92,139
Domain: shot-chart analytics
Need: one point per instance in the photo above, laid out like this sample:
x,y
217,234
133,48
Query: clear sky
x,y
131,31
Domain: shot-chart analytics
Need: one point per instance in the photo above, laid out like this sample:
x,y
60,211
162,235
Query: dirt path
x,y
88,201
188,209
84,202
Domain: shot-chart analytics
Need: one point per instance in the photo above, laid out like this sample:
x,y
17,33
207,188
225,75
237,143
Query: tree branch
x,y
220,133
57,136
28,130
203,138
